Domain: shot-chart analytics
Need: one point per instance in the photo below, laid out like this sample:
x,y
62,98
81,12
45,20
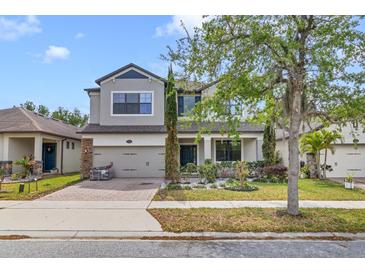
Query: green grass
x,y
308,190
260,220
45,186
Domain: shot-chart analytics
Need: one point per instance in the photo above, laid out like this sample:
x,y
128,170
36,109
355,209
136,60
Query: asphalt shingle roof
x,y
194,128
18,119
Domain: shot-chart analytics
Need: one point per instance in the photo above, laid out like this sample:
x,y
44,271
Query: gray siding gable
x,y
132,74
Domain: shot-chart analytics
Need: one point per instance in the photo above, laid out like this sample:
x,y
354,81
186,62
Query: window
x,y
132,103
232,107
67,145
73,145
227,150
186,104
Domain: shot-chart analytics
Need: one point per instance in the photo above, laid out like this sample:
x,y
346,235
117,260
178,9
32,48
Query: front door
x,y
188,154
49,156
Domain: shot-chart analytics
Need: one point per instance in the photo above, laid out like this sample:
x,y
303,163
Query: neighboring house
x,y
348,157
53,143
127,127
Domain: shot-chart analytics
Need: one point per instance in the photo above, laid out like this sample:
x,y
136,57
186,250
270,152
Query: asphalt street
x,y
175,249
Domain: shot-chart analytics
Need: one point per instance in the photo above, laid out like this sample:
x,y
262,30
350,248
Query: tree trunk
x,y
293,172
318,162
325,164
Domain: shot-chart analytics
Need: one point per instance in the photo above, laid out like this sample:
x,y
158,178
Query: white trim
x,y
128,69
197,150
132,91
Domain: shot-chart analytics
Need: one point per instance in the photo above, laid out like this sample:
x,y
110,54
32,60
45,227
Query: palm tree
x,y
316,141
312,143
329,137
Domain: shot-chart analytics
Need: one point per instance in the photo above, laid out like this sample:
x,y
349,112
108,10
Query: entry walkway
x,y
262,204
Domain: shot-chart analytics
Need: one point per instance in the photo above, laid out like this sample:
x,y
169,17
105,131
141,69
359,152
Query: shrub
x,y
214,186
226,169
207,173
14,177
174,187
304,171
276,173
199,186
255,168
191,168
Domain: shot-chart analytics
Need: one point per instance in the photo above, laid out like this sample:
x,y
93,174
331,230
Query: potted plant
x,y
349,182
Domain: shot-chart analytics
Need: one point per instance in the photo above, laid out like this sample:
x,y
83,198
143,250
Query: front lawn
x,y
260,220
45,186
308,190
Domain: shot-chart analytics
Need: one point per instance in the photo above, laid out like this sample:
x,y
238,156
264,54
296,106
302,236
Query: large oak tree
x,y
307,67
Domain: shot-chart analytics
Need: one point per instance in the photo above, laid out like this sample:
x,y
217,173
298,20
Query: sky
x,y
51,59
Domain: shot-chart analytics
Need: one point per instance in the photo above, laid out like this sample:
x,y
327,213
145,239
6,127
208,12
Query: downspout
x,y
62,155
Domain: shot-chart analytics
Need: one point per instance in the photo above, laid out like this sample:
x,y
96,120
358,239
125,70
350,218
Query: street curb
x,y
156,235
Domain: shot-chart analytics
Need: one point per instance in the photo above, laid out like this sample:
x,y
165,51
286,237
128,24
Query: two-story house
x,y
126,127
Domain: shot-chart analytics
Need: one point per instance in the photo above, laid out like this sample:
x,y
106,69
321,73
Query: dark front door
x,y
188,154
49,156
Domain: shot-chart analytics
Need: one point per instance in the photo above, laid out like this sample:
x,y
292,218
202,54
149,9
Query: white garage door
x,y
347,160
146,161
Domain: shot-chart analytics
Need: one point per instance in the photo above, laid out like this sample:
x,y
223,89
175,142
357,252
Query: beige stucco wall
x,y
18,148
71,157
154,85
140,139
249,149
346,159
1,147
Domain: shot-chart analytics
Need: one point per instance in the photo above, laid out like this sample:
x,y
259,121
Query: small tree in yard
x,y
242,172
172,144
312,67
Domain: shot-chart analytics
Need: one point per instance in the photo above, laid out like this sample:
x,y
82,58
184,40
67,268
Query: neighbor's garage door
x,y
146,161
347,160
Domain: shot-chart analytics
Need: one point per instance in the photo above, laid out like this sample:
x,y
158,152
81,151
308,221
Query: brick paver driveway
x,y
117,189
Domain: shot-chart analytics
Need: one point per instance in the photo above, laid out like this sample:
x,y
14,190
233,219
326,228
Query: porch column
x,y
38,142
242,149
86,157
207,148
5,155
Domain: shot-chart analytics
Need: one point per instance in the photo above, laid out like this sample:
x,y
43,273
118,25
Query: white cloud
x,y
79,35
174,26
12,29
54,53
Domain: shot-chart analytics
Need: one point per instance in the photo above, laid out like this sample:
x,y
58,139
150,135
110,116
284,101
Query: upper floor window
x,y
67,145
186,104
132,103
73,145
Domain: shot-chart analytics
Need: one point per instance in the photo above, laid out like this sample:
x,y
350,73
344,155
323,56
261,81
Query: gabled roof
x,y
131,65
17,119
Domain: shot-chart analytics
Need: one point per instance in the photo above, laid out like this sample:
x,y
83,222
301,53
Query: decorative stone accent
x,y
38,169
7,166
311,162
86,157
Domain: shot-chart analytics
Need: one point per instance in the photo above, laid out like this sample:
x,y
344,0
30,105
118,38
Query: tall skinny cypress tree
x,y
269,143
172,143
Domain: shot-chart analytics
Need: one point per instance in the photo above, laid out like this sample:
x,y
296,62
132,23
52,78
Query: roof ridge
x,y
30,118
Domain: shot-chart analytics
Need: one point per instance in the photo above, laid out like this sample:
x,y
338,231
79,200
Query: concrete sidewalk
x,y
262,204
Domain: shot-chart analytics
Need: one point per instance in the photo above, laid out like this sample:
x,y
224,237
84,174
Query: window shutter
x,y
180,101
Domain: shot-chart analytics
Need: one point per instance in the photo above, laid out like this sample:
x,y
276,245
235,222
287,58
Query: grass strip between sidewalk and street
x,y
45,186
308,190
260,220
